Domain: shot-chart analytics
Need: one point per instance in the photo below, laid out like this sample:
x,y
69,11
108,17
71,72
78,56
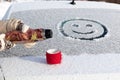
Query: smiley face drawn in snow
x,y
83,29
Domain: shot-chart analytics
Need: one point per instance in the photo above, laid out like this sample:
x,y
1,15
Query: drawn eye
x,y
89,25
75,25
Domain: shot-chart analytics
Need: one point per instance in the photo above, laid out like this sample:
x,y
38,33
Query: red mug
x,y
53,56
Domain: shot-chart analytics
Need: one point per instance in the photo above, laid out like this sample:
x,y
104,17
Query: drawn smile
x,y
83,33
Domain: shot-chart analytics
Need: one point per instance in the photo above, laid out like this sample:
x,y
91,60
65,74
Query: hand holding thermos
x,y
14,31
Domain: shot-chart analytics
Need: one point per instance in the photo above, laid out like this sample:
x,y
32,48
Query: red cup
x,y
53,56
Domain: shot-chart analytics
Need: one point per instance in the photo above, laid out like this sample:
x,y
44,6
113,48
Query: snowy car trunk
x,y
87,27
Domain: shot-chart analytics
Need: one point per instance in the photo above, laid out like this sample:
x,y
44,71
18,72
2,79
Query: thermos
x,y
32,35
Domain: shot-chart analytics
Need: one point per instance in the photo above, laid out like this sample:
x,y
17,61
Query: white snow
x,y
1,75
4,7
92,67
52,51
104,66
37,16
63,4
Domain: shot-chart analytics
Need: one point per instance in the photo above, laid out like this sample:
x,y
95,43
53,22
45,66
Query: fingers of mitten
x,y
9,44
2,36
4,44
29,45
2,47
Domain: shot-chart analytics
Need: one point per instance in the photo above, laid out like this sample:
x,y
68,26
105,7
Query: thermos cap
x,y
48,33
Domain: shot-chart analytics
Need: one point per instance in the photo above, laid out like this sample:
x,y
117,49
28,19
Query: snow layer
x,y
4,7
50,19
62,4
50,14
88,66
92,67
1,75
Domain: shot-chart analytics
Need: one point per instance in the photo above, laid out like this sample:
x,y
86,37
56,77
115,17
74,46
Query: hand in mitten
x,y
12,25
5,44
